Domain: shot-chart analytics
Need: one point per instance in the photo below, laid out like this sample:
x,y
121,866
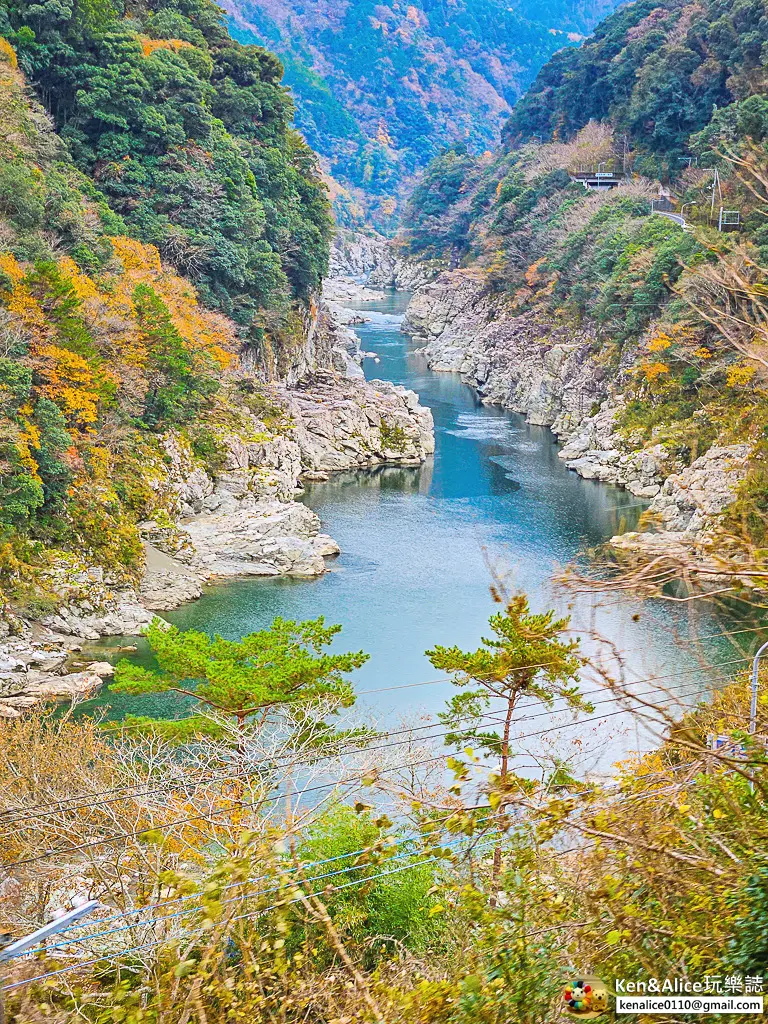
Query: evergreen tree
x,y
256,678
527,656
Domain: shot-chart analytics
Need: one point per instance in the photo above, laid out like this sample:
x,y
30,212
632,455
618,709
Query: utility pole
x,y
753,702
20,946
715,184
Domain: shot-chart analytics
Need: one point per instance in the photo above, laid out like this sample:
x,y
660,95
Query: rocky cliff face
x,y
375,260
550,373
556,376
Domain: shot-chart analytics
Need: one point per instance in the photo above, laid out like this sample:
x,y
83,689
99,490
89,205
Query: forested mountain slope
x,y
160,221
657,72
188,135
381,87
664,319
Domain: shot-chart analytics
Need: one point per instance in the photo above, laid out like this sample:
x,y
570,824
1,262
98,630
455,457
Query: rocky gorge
x,y
240,518
558,376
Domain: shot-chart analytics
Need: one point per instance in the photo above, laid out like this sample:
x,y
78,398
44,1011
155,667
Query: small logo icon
x,y
586,997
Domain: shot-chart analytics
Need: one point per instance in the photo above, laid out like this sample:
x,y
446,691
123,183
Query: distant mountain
x,y
382,87
658,70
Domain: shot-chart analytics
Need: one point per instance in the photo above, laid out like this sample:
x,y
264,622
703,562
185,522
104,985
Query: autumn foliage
x,y
97,357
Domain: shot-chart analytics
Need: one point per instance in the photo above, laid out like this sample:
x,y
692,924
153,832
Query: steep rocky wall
x,y
378,261
557,376
549,372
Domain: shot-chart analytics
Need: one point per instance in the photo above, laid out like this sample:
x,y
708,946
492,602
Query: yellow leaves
x,y
148,46
27,439
659,342
383,136
677,335
8,53
10,266
654,371
20,302
84,286
740,376
200,328
136,255
68,381
99,462
494,800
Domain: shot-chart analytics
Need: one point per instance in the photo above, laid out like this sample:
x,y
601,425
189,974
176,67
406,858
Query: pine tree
x,y
527,656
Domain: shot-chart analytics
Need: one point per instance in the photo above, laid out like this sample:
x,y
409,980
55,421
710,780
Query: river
x,y
417,544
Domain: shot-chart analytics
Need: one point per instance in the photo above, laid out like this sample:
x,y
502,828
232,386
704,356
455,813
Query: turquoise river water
x,y
416,548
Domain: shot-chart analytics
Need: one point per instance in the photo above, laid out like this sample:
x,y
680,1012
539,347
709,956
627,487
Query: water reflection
x,y
417,542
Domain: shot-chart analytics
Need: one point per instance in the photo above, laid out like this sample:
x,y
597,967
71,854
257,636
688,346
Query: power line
x,y
197,817
128,792
163,941
430,821
245,895
304,865
482,848
491,716
264,910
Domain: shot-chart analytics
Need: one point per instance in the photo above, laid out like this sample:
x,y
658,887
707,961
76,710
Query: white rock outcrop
x,y
557,376
32,672
340,425
546,371
245,521
686,507
378,262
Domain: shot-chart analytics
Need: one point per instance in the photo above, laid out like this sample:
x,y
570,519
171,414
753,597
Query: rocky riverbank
x,y
240,519
378,262
38,668
558,376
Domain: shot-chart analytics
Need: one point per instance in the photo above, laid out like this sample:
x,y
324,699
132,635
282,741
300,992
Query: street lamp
x,y
59,924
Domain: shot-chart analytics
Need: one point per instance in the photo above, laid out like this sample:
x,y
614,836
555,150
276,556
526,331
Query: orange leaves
x,y
199,327
679,335
82,334
148,46
676,348
653,372
68,381
540,280
533,275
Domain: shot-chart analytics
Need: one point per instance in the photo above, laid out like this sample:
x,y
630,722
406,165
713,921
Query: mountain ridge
x,y
380,88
